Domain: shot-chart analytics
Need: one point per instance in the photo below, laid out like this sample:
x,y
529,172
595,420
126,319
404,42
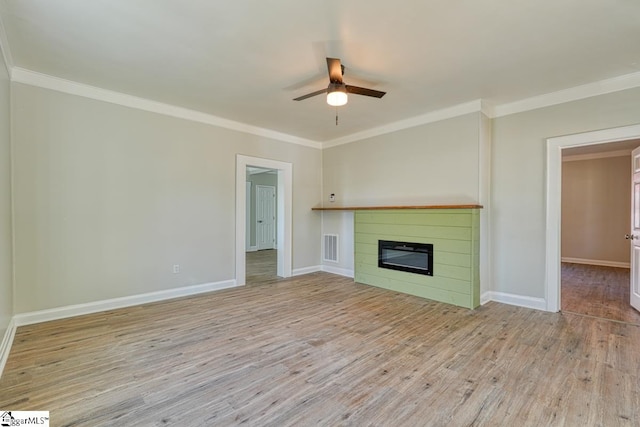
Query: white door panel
x,y
265,217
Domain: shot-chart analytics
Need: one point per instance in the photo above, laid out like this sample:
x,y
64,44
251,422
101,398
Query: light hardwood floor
x,y
261,267
597,291
322,350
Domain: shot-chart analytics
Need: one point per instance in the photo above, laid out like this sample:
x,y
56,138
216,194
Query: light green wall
x,y
108,198
6,262
518,205
456,258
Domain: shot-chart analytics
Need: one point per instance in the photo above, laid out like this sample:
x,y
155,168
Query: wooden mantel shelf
x,y
377,208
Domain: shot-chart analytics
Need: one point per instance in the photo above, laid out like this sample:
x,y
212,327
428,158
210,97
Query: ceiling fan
x,y
337,89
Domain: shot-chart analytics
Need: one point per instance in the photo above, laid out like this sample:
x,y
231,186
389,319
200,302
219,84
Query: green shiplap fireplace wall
x,y
455,235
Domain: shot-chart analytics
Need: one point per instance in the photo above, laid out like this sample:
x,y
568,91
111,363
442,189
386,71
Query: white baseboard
x,y
600,262
110,304
305,270
325,268
337,270
485,297
512,299
252,249
5,346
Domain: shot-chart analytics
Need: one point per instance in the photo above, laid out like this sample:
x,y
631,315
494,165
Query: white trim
x,y
252,249
554,198
325,268
115,303
434,116
594,156
485,297
7,342
513,299
601,262
602,87
284,209
484,198
339,271
21,75
6,52
306,270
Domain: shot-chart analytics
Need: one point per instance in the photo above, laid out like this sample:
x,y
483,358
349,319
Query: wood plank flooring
x,y
597,291
261,267
322,350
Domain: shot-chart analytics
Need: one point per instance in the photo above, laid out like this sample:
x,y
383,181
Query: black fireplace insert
x,y
406,256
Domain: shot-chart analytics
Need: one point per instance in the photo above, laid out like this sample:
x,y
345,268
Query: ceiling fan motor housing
x,y
337,87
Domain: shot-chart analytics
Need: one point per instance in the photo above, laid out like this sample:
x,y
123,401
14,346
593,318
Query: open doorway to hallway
x,y
261,246
596,207
284,209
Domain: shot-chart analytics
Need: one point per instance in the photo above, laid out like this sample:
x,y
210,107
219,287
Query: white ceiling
x,y
245,60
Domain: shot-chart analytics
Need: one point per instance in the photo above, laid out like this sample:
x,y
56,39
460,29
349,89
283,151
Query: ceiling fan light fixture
x,y
337,95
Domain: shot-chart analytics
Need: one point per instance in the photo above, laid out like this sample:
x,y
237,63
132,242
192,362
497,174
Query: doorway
x,y
596,202
283,206
261,254
555,146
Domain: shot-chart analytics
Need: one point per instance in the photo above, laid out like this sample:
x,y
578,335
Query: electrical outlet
x,y
176,268
332,197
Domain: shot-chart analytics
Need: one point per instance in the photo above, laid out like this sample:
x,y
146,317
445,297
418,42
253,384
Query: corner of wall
x,y
5,345
484,198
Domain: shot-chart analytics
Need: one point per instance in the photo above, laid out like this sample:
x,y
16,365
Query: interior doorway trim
x,y
554,198
284,209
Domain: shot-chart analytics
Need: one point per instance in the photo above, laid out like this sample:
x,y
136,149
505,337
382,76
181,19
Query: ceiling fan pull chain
x,y
336,116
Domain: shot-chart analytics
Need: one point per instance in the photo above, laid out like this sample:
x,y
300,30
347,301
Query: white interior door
x,y
247,240
634,236
265,217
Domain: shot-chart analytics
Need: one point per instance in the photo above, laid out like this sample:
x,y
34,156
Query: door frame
x,y
284,213
554,198
248,215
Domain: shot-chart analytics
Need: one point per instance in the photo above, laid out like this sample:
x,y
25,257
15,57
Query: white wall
x,y
518,181
340,223
430,164
108,198
6,262
596,206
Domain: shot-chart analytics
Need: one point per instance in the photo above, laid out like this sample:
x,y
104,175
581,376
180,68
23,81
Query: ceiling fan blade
x,y
335,70
364,91
309,95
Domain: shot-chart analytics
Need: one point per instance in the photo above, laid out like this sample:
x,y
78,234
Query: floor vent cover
x,y
331,247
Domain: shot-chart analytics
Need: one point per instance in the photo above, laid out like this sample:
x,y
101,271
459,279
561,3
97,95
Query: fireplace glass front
x,y
406,256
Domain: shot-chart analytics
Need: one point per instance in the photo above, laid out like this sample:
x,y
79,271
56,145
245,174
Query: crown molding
x,y
433,116
593,156
4,47
602,87
21,75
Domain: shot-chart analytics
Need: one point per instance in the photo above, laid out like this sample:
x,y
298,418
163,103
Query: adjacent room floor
x,y
597,291
261,267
